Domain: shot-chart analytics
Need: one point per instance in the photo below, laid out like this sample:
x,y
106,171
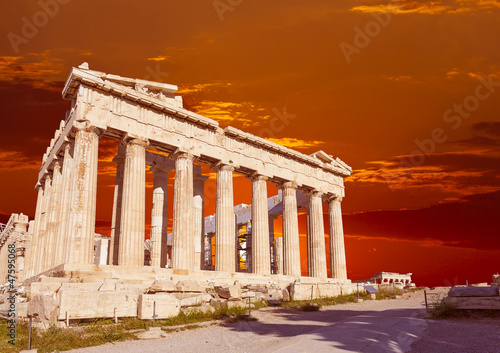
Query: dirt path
x,y
370,326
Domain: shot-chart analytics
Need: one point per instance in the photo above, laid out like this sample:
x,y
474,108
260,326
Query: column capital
x,y
182,155
333,198
258,177
315,193
89,127
220,166
119,159
288,185
155,168
128,140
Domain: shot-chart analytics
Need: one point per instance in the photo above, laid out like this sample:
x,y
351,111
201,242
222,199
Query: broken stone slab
x,y
196,300
218,303
249,294
228,292
275,294
43,307
189,286
474,302
473,292
194,309
165,306
162,286
286,295
97,304
42,288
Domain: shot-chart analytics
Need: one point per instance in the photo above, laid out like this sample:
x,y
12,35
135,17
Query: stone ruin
x,y
69,273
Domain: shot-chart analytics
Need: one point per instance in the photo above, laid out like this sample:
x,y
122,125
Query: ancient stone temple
x,y
151,128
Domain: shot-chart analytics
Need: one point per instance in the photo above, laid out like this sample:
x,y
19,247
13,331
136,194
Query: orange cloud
x,y
429,7
292,142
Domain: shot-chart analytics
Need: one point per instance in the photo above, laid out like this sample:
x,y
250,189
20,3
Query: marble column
x,y
337,248
67,173
116,217
261,252
291,242
42,253
133,215
198,215
183,222
278,259
159,217
316,237
52,216
80,231
34,252
225,240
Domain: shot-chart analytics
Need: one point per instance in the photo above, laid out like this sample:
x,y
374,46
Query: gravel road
x,y
371,326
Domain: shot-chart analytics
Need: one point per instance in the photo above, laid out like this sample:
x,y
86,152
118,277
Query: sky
x,y
405,92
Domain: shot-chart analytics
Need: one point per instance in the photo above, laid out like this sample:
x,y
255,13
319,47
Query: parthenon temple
x,y
154,133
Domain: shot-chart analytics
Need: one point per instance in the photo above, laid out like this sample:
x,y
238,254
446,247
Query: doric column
x,y
337,248
116,217
52,216
261,253
34,251
159,216
291,242
278,260
42,253
225,239
183,224
198,215
80,231
64,203
133,217
316,237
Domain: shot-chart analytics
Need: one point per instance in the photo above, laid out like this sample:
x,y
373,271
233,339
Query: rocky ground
x,y
399,325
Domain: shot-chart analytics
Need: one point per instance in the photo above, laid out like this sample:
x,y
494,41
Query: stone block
x,y
218,303
43,307
96,304
162,286
275,294
193,309
474,302
189,286
237,303
228,292
22,309
473,292
42,288
53,280
248,294
151,333
196,300
166,306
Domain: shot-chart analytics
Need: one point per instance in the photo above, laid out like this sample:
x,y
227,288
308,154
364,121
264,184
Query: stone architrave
x,y
316,237
261,252
183,224
133,215
80,231
225,230
159,217
291,242
337,249
114,243
67,172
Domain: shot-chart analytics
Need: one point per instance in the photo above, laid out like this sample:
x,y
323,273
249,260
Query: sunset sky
x,y
407,93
